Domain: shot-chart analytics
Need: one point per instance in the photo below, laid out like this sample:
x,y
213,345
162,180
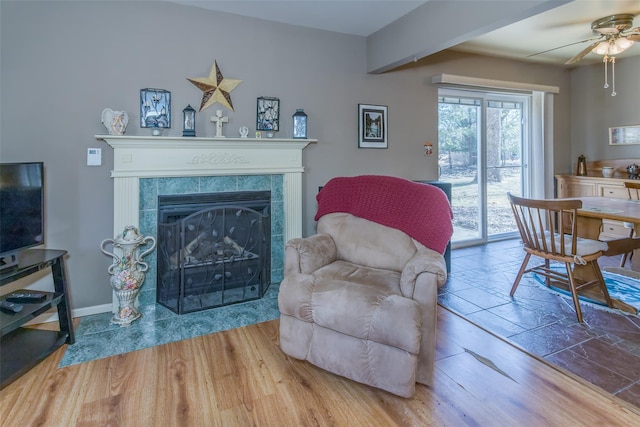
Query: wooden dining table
x,y
590,216
595,209
610,208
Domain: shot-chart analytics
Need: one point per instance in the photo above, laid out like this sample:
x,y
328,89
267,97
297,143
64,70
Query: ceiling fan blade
x,y
566,45
582,54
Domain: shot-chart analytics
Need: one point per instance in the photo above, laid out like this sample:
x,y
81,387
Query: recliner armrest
x,y
428,261
306,255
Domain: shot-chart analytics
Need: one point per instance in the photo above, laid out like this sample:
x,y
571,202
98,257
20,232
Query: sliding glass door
x,y
482,138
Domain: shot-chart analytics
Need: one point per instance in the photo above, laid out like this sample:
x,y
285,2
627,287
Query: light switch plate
x,y
94,156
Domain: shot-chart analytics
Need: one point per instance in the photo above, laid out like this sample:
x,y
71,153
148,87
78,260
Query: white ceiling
x,y
557,27
563,25
357,17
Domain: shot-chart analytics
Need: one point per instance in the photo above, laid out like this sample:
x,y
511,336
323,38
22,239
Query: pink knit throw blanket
x,y
420,210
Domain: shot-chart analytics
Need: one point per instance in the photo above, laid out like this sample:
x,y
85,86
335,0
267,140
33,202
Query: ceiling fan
x,y
609,30
614,36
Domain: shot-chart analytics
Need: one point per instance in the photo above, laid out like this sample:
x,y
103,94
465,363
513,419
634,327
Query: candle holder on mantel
x,y
188,121
300,124
128,271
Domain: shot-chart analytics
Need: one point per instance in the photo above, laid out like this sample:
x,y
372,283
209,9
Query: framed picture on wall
x,y
624,135
372,126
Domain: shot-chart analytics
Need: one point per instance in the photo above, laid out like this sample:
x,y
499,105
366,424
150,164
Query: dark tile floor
x,y
604,350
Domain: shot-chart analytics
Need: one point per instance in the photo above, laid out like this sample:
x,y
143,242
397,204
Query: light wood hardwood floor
x,y
241,378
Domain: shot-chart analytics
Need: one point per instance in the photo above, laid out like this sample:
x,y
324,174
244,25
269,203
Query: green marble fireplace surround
x,y
151,188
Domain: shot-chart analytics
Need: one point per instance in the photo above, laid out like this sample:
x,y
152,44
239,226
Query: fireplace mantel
x,y
138,157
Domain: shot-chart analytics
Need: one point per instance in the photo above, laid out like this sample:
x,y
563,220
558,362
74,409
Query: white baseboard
x,y
88,311
52,315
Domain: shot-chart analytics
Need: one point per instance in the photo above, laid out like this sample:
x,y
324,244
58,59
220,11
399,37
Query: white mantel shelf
x,y
154,156
138,157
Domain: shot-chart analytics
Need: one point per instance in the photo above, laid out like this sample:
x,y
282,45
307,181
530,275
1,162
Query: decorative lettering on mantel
x,y
218,159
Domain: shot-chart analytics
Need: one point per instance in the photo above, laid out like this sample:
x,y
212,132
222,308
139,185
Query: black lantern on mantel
x,y
189,121
300,124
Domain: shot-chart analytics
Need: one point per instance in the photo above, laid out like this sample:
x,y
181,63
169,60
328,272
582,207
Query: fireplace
x,y
213,249
147,166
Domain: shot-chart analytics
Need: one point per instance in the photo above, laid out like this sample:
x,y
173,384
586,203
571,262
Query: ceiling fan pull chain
x,y
613,76
606,78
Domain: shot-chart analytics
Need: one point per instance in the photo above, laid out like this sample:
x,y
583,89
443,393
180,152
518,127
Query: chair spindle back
x,y
633,188
545,224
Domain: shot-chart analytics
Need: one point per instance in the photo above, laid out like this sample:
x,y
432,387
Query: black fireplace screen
x,y
213,249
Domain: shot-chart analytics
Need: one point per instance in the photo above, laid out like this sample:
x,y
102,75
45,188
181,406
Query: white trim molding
x,y
452,79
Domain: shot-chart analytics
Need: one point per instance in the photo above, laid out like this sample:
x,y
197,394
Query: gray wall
x,y
594,110
62,63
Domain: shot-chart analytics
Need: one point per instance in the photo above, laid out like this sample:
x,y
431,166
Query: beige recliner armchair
x,y
359,298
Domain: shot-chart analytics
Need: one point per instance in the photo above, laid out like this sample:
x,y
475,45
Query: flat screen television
x,y
21,209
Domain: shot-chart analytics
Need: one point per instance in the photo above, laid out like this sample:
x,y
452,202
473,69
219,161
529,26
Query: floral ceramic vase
x,y
128,271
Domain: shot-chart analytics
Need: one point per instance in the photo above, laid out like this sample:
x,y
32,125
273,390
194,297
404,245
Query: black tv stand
x,y
8,261
23,348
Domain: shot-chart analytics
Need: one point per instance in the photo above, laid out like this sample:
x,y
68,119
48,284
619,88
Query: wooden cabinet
x,y
613,230
615,190
582,186
575,186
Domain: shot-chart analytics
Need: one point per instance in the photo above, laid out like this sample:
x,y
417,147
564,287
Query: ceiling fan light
x,y
614,50
611,47
602,48
623,43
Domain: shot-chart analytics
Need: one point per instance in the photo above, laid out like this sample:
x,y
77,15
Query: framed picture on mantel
x,y
624,135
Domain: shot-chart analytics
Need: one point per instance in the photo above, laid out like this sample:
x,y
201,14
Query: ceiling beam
x,y
439,24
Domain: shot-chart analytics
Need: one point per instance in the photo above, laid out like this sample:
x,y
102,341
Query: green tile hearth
x,y
96,338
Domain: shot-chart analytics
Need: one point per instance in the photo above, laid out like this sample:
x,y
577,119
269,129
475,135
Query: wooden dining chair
x,y
549,230
633,189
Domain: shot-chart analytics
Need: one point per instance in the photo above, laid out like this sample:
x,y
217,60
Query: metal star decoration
x,y
215,88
